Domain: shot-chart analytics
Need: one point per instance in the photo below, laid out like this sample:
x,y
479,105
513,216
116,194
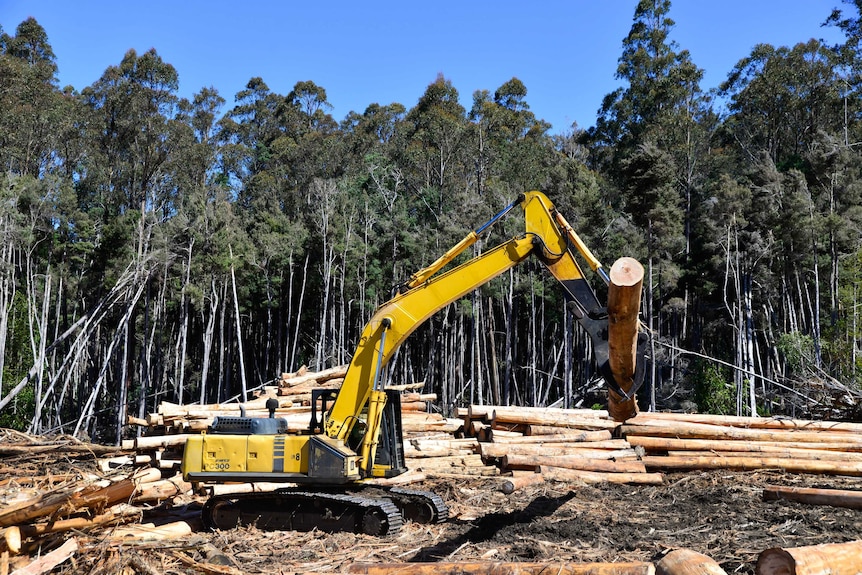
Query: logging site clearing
x,y
528,489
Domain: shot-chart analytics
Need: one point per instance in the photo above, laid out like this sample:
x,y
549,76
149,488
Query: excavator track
x,y
303,511
419,506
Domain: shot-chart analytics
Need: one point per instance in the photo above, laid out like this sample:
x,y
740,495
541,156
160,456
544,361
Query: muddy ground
x,y
719,514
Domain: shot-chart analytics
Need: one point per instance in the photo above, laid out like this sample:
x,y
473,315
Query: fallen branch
x,y
50,560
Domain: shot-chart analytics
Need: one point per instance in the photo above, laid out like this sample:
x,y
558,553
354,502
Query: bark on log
x,y
157,441
753,463
788,453
688,562
831,558
664,444
116,515
502,449
562,474
554,418
458,461
290,380
487,412
684,430
519,481
813,496
624,297
536,429
531,462
775,423
66,502
589,438
495,568
162,489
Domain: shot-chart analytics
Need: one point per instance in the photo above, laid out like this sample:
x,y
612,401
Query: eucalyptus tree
x,y
435,131
32,109
787,110
650,139
123,184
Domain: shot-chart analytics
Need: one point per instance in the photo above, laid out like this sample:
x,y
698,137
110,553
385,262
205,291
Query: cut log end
x,y
775,562
688,562
626,272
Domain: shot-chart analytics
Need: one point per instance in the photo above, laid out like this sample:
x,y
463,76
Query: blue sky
x,y
384,51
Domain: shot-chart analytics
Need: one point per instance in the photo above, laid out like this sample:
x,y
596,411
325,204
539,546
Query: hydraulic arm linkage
x,y
547,235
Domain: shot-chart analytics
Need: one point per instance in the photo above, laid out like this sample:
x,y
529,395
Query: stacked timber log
x,y
293,393
684,442
538,444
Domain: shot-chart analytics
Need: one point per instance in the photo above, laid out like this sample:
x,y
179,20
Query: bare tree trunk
x,y
7,296
568,349
119,336
494,367
300,307
815,312
180,359
39,342
238,330
209,334
223,338
509,321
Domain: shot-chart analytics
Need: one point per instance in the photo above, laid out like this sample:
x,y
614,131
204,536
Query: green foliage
x,y
797,350
19,413
18,359
711,390
318,220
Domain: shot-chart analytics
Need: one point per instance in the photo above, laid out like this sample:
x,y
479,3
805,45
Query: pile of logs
x,y
293,394
684,442
114,495
521,446
587,445
535,444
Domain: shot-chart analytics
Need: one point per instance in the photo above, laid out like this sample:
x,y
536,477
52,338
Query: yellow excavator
x,y
355,433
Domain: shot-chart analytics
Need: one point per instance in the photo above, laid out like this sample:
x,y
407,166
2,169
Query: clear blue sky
x,y
384,51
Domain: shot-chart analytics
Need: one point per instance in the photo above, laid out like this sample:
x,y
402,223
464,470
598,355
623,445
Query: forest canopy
x,y
158,248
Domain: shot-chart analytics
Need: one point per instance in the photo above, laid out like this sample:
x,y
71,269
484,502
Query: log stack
x,y
569,445
686,442
521,446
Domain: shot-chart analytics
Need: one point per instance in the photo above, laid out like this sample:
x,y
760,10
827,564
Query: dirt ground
x,y
719,514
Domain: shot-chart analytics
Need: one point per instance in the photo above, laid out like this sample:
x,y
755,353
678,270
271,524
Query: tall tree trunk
x,y
180,359
209,334
240,353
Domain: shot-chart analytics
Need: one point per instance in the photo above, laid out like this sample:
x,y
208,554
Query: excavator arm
x,y
547,235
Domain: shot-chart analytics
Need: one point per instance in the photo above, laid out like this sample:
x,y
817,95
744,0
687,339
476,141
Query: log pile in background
x,y
293,392
686,442
557,444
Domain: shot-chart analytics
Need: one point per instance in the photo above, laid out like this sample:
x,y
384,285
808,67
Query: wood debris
x,y
133,495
